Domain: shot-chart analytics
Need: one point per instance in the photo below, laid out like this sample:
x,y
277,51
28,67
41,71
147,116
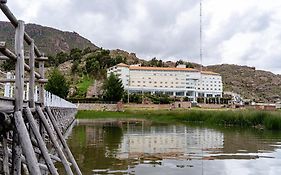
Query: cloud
x,y
234,31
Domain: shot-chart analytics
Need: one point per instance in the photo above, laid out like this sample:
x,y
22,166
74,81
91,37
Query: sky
x,y
234,31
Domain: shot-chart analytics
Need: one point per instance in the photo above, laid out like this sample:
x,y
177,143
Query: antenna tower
x,y
201,47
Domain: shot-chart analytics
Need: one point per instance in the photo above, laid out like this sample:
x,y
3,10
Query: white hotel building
x,y
179,81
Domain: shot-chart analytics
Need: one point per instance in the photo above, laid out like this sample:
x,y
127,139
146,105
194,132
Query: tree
x,y
9,65
113,88
57,84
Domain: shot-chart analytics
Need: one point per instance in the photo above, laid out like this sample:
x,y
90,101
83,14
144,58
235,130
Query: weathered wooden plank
x,y
61,138
18,95
6,168
40,142
54,141
31,76
11,55
4,58
26,144
16,154
19,71
41,86
25,80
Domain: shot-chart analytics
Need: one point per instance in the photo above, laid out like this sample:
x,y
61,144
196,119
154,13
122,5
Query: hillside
x,y
49,40
249,82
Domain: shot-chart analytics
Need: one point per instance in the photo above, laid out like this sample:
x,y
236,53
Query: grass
x,y
83,86
270,120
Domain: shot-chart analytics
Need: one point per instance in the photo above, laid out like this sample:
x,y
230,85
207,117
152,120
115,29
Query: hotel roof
x,y
162,68
133,67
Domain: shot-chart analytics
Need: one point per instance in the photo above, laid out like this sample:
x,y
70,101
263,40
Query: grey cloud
x,y
119,24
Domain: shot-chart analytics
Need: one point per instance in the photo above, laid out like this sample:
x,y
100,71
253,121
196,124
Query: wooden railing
x,y
27,119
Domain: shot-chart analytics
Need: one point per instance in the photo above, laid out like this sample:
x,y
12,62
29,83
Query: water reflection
x,y
137,148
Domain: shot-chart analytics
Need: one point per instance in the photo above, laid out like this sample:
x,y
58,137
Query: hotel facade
x,y
179,81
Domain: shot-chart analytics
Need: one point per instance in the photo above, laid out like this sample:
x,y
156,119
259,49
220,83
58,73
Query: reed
x,y
244,118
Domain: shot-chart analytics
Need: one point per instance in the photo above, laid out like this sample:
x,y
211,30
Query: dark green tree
x,y
9,65
75,54
179,62
113,88
57,84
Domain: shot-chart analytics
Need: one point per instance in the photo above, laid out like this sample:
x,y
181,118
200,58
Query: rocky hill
x,y
249,82
49,40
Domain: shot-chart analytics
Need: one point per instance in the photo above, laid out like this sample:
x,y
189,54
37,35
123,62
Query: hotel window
x,y
143,81
150,82
138,81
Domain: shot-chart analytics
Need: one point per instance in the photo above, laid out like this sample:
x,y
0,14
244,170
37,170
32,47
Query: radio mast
x,y
201,47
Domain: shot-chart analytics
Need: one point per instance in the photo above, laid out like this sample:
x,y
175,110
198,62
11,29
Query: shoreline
x,y
270,120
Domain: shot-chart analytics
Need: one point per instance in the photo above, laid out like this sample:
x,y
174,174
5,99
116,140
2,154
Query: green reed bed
x,y
245,118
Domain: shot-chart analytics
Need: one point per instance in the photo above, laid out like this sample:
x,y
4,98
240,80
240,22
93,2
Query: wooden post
x,y
41,85
32,75
54,141
19,85
40,142
6,168
61,138
26,144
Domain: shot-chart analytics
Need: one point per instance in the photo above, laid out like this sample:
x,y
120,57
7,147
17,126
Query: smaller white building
x,y
179,81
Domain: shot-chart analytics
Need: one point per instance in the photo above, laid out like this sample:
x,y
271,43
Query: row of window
x,y
188,87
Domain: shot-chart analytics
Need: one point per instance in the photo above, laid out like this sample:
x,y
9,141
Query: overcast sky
x,y
244,32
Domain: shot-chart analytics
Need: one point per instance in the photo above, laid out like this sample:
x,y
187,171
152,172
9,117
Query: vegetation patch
x,y
270,120
83,85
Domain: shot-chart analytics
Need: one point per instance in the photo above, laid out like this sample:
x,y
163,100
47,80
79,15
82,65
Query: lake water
x,y
174,149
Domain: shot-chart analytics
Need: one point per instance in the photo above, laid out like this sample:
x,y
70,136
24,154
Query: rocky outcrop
x,y
49,40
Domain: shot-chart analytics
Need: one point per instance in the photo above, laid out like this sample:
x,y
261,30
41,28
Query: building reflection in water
x,y
128,146
169,141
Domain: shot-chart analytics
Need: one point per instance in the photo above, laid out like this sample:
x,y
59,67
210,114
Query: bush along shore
x,y
270,120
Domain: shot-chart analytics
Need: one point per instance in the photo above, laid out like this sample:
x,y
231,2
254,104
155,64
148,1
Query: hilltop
x,y
49,40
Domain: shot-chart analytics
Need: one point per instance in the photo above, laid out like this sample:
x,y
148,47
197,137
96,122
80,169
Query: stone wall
x,y
97,106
